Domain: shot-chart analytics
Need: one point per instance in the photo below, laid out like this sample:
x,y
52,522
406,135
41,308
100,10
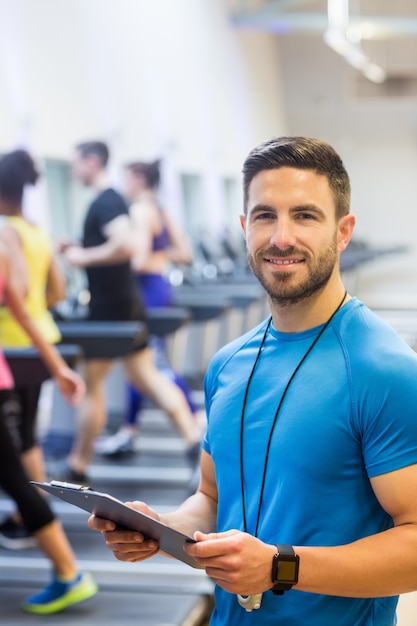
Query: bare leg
x,y
92,414
143,374
54,543
33,463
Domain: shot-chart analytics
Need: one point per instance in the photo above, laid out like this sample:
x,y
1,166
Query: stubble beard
x,y
282,288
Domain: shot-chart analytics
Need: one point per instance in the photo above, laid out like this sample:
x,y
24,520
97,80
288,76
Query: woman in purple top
x,y
160,243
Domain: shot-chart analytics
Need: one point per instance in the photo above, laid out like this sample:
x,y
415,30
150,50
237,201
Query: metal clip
x,y
65,485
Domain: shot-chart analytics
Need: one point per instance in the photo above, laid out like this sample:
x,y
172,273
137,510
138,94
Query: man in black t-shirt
x,y
113,293
107,243
105,254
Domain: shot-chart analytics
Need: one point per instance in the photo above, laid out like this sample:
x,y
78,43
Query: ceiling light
x,y
346,41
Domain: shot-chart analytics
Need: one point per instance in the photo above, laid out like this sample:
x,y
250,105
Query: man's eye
x,y
264,216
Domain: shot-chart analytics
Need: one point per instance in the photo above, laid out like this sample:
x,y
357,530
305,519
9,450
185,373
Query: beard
x,y
282,287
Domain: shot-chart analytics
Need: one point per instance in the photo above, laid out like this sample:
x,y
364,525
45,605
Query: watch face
x,y
286,571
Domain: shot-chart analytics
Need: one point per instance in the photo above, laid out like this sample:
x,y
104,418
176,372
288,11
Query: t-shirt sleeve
x,y
207,388
389,438
108,208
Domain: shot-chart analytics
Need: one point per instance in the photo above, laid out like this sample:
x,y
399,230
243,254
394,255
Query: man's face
x,y
292,236
83,168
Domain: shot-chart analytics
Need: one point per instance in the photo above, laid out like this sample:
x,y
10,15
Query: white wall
x,y
150,77
153,78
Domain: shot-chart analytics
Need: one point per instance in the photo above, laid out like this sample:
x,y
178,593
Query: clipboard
x,y
104,505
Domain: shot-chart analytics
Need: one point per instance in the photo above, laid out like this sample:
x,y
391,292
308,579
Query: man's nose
x,y
283,236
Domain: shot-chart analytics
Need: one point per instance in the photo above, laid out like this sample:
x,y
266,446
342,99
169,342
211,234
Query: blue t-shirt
x,y
350,414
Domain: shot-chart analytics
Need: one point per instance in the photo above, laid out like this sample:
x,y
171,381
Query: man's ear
x,y
242,219
345,231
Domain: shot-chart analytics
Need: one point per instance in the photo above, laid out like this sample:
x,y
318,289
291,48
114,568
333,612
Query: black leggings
x,y
20,414
34,509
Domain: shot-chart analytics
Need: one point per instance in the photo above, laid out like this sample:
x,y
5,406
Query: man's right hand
x,y
126,545
63,244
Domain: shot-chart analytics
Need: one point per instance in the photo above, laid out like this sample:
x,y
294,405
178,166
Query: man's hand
x,y
127,545
236,561
75,256
63,244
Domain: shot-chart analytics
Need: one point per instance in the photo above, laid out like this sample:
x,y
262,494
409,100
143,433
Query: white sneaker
x,y
120,444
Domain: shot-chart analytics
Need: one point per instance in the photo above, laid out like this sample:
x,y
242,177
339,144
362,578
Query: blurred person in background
x,y
105,255
69,586
45,286
159,243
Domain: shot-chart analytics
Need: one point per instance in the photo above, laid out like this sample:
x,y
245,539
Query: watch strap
x,y
285,565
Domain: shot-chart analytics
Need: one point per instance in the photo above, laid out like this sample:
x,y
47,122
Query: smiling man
x,y
292,238
305,513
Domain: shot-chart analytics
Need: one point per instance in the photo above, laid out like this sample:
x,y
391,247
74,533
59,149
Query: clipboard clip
x,y
65,485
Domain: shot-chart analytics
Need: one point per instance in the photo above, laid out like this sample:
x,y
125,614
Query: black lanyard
x,y
242,419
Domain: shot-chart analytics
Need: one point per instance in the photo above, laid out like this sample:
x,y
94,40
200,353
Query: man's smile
x,y
284,261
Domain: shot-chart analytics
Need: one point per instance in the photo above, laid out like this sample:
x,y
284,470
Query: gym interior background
x,y
199,83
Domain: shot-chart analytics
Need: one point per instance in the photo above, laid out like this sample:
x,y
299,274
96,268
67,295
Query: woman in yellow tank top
x,y
69,585
37,251
45,287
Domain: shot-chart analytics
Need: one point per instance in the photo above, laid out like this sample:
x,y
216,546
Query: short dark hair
x,y
17,169
150,171
98,148
304,153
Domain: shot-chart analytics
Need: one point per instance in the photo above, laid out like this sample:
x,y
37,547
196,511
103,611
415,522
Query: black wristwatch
x,y
285,564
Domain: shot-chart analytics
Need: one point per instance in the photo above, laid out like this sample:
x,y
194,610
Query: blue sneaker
x,y
58,595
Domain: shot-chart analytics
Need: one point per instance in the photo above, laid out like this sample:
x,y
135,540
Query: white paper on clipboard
x,y
104,505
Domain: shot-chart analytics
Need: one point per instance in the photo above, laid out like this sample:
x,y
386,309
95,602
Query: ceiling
x,y
376,19
385,30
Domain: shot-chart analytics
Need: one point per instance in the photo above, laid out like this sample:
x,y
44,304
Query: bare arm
x,y
380,565
384,564
69,382
180,249
199,512
146,221
13,247
118,247
56,284
142,216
